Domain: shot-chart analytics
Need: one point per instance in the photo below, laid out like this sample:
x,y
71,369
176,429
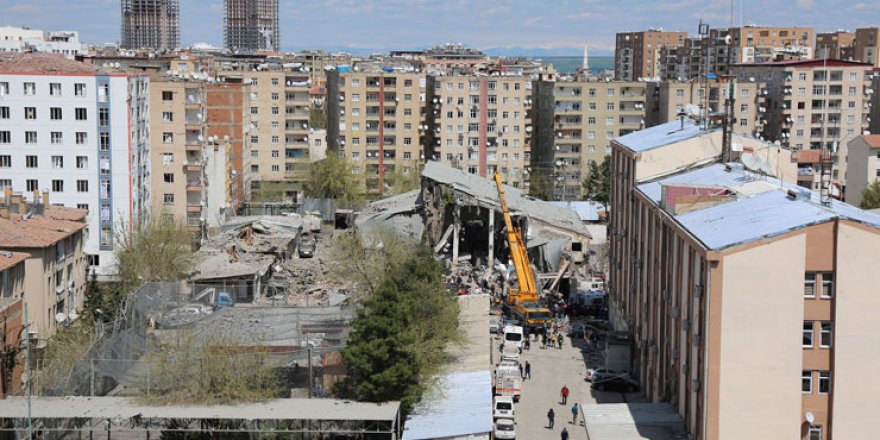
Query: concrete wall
x,y
861,165
856,339
762,314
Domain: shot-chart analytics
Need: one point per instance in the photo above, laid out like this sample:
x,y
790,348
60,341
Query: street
x,y
551,369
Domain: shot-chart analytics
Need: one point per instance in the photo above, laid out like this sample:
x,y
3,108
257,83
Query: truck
x,y
508,381
307,247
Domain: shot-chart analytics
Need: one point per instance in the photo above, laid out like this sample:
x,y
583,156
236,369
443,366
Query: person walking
x,y
564,434
528,370
544,340
522,373
550,416
528,344
561,338
574,413
564,394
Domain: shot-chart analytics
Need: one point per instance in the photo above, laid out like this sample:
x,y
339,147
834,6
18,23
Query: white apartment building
x,y
22,39
81,133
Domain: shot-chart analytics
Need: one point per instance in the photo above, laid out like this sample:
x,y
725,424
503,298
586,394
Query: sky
x,y
560,26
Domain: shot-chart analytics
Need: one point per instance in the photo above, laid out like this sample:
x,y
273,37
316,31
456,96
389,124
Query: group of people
x,y
575,410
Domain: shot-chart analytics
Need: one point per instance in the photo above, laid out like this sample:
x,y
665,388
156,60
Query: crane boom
x,y
524,276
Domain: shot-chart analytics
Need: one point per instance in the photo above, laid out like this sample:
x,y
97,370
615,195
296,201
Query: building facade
x,y
863,166
835,45
18,39
638,54
11,321
866,46
251,25
82,133
701,270
666,100
228,119
150,24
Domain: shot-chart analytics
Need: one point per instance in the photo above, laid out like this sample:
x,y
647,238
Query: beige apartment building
x,y
866,46
179,127
639,54
11,320
377,121
863,166
482,123
709,258
666,100
836,45
583,118
55,269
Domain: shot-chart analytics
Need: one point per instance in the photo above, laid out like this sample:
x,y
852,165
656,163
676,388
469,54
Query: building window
x,y
5,137
815,433
168,177
32,184
167,138
5,183
83,206
275,153
168,199
167,158
4,112
30,137
80,114
55,113
255,168
31,161
827,284
5,161
824,382
79,89
826,334
82,186
30,113
103,117
57,162
58,185
30,88
679,93
167,116
104,144
82,162
274,96
808,334
167,96
810,285
276,168
56,137
807,382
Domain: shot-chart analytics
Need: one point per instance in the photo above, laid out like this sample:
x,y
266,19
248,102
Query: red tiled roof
x,y
62,213
40,231
45,63
873,140
13,259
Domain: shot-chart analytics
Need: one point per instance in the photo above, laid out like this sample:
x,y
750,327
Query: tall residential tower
x,y
251,25
150,24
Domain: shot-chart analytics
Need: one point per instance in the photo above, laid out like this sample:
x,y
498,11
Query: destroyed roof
x,y
485,191
660,135
761,207
216,265
398,213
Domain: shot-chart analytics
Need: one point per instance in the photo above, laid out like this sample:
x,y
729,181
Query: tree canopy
x,y
597,183
333,178
871,196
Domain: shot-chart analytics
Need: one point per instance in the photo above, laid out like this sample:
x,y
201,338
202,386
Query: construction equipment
x,y
522,302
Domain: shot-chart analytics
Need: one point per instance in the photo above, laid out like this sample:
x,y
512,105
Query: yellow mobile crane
x,y
522,302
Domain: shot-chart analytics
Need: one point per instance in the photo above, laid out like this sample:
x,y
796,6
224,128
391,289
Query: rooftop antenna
x,y
824,162
703,31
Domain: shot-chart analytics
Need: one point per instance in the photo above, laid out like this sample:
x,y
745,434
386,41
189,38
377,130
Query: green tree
x,y
333,178
153,250
541,185
871,196
597,183
399,182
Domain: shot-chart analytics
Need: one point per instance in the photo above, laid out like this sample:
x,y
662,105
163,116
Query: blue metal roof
x,y
760,210
588,211
659,135
464,407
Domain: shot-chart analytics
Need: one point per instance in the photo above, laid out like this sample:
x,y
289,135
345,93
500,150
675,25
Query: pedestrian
x,y
564,394
528,370
561,338
574,413
550,416
544,340
528,344
522,374
564,434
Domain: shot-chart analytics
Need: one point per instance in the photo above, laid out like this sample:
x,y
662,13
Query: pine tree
x,y
871,196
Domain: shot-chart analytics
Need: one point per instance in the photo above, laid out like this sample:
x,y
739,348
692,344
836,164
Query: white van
x,y
502,407
513,335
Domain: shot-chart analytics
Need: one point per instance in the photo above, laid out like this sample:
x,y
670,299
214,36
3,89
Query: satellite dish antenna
x,y
766,167
751,162
809,417
60,318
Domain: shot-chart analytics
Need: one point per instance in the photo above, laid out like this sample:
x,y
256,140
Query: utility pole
x,y
30,381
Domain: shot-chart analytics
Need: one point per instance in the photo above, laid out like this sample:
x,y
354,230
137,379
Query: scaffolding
x,y
251,25
151,24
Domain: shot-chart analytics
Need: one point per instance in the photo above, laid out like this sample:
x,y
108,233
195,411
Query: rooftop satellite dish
x,y
809,417
766,167
693,110
60,317
751,162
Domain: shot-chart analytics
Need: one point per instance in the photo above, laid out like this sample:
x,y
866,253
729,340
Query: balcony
x,y
194,185
193,208
192,166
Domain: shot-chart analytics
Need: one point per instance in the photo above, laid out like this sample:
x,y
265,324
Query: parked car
x,y
494,324
620,382
505,429
594,373
307,247
503,408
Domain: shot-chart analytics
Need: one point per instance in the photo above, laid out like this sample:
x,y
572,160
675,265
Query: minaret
x,y
586,65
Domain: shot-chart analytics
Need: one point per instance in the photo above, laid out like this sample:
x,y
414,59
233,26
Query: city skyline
x,y
410,24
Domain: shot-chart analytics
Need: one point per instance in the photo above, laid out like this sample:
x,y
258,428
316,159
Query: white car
x,y
503,408
505,429
593,373
494,324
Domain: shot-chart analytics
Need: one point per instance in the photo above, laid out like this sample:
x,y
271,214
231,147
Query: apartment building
x,y
863,166
251,25
707,258
377,120
228,108
179,127
55,268
21,39
638,54
583,118
11,321
81,132
836,45
666,100
812,104
866,46
150,24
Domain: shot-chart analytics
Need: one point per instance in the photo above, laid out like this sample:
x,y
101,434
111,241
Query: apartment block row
x,y
744,295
